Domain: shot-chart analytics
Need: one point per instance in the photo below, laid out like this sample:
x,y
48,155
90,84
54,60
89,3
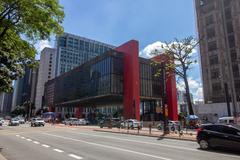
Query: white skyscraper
x,y
46,72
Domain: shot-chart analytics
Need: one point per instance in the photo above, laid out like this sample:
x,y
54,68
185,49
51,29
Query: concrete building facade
x,y
46,72
218,23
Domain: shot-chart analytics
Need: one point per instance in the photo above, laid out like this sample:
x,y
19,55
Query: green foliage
x,y
18,111
22,24
179,60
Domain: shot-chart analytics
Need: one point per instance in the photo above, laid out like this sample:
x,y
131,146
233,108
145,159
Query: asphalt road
x,y
65,143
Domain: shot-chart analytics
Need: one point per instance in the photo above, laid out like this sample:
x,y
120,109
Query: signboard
x,y
158,109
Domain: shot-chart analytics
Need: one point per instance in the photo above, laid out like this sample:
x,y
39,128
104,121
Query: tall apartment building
x,y
218,24
5,103
46,72
73,51
25,88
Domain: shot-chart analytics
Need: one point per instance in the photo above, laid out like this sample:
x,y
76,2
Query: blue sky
x,y
117,21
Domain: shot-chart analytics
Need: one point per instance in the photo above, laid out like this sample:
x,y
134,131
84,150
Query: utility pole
x,y
165,120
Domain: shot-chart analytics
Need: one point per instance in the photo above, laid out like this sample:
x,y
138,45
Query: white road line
x,y
75,156
129,140
23,137
111,147
44,145
196,150
18,135
36,142
29,140
58,150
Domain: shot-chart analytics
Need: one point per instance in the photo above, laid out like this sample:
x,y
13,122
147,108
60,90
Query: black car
x,y
110,122
218,135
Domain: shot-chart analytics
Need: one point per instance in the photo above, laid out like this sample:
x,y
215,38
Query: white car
x,y
71,121
14,122
226,120
21,120
37,122
171,124
83,122
131,123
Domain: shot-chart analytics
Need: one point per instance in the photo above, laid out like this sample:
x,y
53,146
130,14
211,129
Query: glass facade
x,y
150,85
101,76
73,51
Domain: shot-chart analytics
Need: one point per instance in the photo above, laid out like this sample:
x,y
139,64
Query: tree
x,y
22,24
180,61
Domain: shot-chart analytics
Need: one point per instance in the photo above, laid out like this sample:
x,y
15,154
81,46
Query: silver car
x,y
1,121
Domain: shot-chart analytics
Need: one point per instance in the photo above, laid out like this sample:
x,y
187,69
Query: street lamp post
x,y
165,120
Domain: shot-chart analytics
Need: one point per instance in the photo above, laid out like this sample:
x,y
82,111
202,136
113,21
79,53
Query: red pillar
x,y
78,112
131,98
172,97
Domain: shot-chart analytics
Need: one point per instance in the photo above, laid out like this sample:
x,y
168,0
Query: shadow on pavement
x,y
223,151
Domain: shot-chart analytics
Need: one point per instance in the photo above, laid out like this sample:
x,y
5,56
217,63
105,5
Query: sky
x,y
149,21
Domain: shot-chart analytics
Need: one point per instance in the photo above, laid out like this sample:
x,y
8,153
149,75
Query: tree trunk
x,y
190,107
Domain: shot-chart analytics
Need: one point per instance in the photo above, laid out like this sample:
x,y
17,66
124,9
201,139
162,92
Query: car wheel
x,y
204,144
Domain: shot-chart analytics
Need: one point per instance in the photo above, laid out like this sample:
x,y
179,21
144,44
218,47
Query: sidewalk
x,y
158,134
190,136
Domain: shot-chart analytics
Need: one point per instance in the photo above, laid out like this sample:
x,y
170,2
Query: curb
x,y
1,156
147,135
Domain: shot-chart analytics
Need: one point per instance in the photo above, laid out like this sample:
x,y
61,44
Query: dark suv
x,y
218,135
110,122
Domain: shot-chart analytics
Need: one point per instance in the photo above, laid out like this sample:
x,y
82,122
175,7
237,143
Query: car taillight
x,y
199,129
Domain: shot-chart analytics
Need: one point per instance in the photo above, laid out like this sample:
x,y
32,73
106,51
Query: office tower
x,y
46,72
5,103
25,88
218,23
73,51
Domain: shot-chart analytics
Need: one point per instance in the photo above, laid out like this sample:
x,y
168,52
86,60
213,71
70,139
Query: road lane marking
x,y
23,137
129,140
75,156
29,140
58,150
44,145
111,147
36,142
18,135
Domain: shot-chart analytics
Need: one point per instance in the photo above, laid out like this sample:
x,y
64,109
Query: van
x,y
226,120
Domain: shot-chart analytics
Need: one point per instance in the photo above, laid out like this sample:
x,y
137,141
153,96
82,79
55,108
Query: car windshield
x,y
39,119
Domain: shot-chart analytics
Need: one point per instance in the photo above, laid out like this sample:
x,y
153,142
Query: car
x,y
131,123
1,121
21,120
218,135
14,122
171,124
83,122
72,121
226,120
110,122
37,122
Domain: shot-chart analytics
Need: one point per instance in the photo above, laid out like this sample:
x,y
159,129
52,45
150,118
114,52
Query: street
x,y
53,142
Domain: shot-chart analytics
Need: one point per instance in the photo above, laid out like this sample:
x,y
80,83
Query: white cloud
x,y
42,44
195,86
199,94
146,52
